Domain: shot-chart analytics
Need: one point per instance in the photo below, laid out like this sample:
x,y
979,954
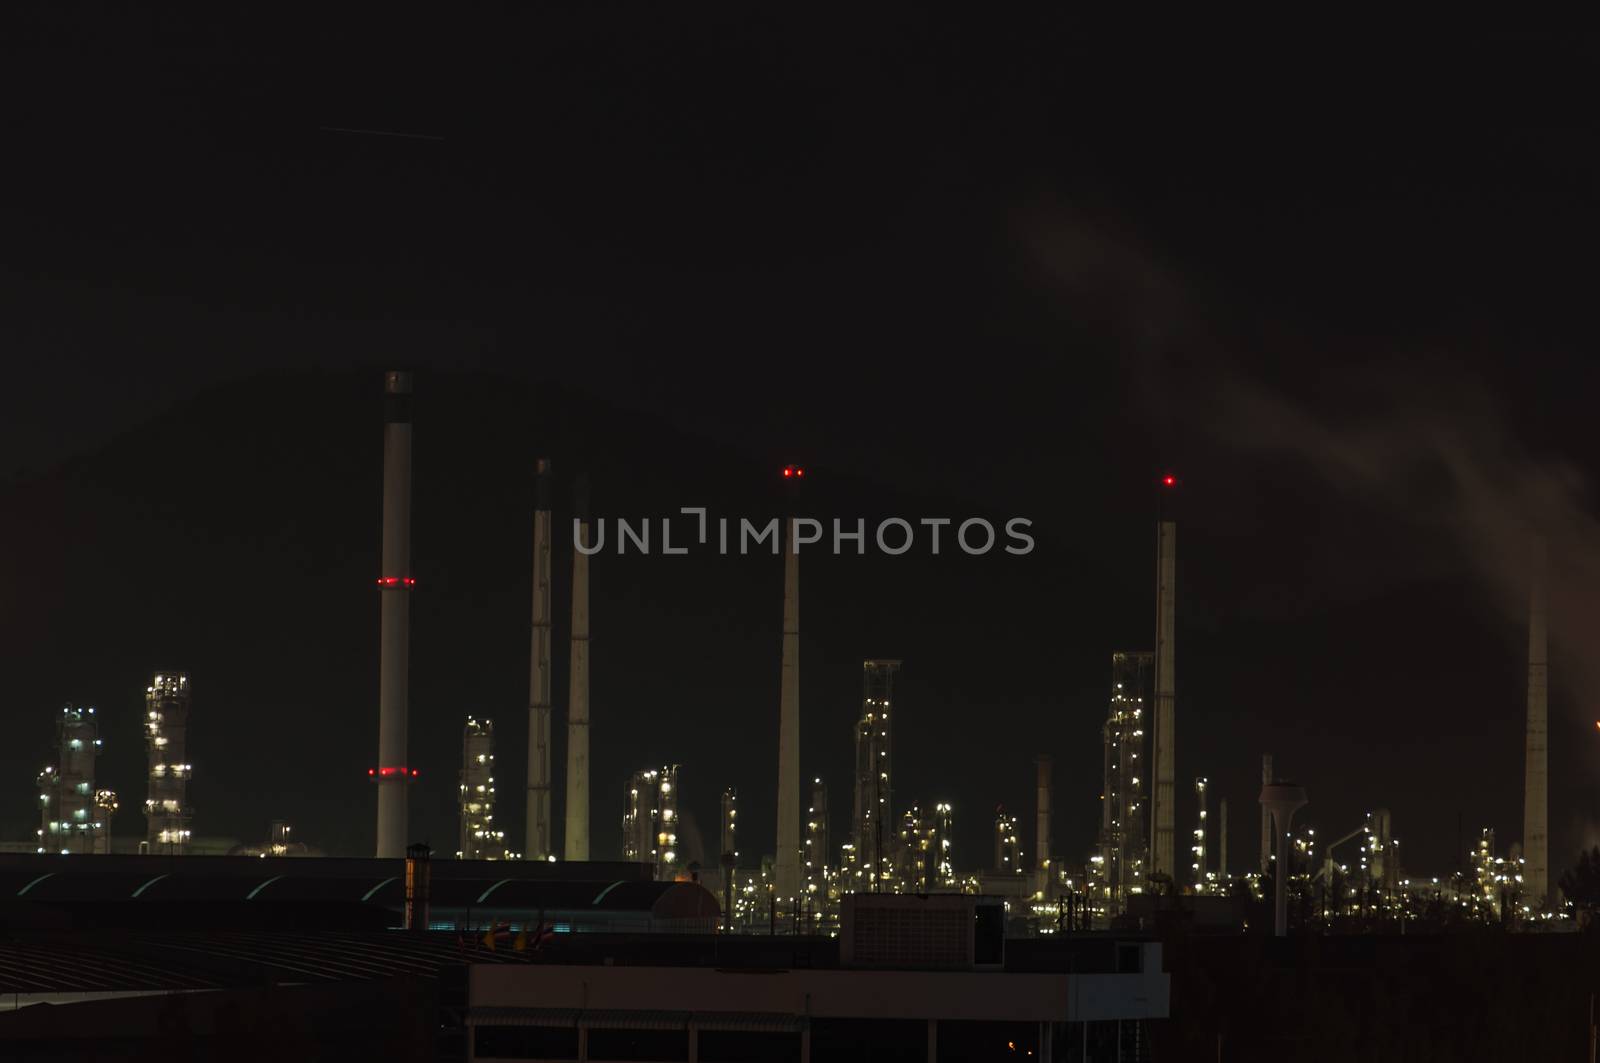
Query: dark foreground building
x,y
242,959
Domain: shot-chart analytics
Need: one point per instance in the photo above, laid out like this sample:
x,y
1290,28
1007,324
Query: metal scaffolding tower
x,y
74,816
650,820
1124,854
166,730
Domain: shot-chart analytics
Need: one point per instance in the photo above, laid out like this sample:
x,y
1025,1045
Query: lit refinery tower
x,y
73,814
1165,746
817,844
479,840
577,834
786,862
1123,852
394,639
873,827
650,820
539,845
166,729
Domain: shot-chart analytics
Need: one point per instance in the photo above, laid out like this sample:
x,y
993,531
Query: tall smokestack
x,y
1536,798
394,637
539,846
1222,841
1042,823
577,836
1266,817
1161,836
786,863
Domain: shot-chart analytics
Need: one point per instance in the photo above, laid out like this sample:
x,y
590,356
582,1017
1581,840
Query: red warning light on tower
x,y
793,472
1169,480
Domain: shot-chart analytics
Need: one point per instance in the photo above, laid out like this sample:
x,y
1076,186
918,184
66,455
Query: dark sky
x,y
1004,269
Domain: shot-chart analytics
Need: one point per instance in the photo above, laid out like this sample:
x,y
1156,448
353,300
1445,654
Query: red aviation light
x,y
397,581
393,773
793,472
1169,480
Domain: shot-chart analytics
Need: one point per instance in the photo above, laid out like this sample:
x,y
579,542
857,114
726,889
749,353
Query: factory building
x,y
479,838
872,825
166,730
650,820
74,816
1122,857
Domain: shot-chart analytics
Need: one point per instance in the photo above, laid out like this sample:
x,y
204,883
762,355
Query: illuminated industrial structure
x,y
872,826
74,816
730,824
650,820
166,731
1197,865
479,839
1007,849
939,837
1121,861
818,873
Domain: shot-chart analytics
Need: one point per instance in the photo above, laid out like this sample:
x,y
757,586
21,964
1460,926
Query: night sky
x,y
954,269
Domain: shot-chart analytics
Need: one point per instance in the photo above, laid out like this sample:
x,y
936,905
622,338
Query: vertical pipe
x,y
577,835
786,862
538,845
395,583
1162,841
1535,802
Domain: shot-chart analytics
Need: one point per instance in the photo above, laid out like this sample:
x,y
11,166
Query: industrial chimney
x,y
1162,807
786,863
1536,779
577,834
1266,817
1042,823
538,846
395,584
